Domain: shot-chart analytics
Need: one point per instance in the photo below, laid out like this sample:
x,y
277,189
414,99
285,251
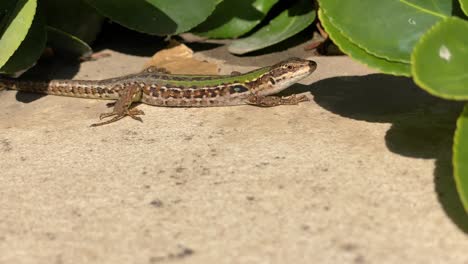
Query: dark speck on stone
x,y
157,203
180,169
250,198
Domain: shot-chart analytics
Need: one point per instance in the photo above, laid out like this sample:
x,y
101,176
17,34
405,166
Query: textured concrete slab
x,y
361,174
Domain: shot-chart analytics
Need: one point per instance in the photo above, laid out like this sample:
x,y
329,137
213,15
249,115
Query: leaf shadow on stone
x,y
48,69
422,125
118,38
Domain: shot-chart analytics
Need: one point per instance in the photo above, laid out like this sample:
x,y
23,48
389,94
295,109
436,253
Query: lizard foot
x,y
123,106
111,104
155,70
133,113
268,101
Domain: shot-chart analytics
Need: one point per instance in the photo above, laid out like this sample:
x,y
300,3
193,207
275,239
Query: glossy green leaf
x,y
15,24
354,51
67,44
440,59
233,18
285,25
158,17
464,6
460,157
437,7
186,13
30,49
86,22
386,28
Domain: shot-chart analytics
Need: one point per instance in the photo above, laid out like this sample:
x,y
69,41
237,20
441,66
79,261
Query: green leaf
x,y
354,51
285,25
440,60
158,17
16,23
233,18
437,7
30,49
460,157
86,22
387,28
186,13
464,6
67,44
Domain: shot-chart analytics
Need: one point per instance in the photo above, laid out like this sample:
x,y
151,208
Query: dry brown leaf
x,y
178,59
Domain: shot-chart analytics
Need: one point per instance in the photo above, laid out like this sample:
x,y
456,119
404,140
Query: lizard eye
x,y
290,67
237,89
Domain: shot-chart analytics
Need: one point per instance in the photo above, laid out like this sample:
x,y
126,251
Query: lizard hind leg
x,y
122,107
155,70
269,101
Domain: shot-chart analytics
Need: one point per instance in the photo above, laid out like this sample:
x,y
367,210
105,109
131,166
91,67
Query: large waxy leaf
x,y
285,25
440,59
354,51
67,44
464,6
159,17
186,13
16,21
86,22
438,6
460,157
233,18
30,49
391,28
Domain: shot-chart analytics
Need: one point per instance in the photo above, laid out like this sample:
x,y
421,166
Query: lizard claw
x,y
133,113
105,115
122,107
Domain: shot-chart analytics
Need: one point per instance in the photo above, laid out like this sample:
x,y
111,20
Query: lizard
x,y
156,86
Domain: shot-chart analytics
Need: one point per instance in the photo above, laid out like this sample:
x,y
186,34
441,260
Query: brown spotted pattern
x,y
84,89
167,95
151,87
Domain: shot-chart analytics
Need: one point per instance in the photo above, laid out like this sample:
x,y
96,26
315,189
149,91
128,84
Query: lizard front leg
x,y
122,107
155,70
268,101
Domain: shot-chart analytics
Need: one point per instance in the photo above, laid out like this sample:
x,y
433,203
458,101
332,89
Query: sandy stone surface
x,y
360,174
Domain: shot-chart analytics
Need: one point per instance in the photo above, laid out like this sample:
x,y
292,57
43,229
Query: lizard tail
x,y
73,88
23,85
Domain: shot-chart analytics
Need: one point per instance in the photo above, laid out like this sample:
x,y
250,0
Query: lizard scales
x,y
157,87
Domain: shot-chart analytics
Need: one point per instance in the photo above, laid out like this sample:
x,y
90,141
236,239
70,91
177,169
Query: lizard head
x,y
284,74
